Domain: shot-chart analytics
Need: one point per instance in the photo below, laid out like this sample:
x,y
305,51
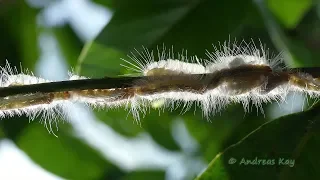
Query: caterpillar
x,y
231,74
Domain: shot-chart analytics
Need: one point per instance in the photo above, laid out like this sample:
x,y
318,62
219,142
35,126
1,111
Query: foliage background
x,y
170,146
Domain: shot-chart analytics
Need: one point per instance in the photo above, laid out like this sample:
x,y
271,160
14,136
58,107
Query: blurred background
x,y
52,37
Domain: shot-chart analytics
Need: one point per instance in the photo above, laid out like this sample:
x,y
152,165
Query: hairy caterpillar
x,y
231,74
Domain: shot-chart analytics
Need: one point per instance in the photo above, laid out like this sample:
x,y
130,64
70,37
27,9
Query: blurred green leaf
x,y
97,60
213,136
106,3
159,127
69,43
19,34
193,25
117,120
294,137
289,12
137,175
13,126
23,25
295,52
65,156
2,135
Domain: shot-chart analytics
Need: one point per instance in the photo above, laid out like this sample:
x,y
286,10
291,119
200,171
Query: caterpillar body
x,y
231,74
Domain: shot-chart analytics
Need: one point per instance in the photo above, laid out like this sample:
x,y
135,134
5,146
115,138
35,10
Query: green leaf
x,y
294,49
192,25
125,125
64,156
69,43
289,12
106,3
293,137
212,135
19,34
97,60
137,175
159,127
2,135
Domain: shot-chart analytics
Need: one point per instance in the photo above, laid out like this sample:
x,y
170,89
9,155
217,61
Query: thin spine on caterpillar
x,y
231,74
